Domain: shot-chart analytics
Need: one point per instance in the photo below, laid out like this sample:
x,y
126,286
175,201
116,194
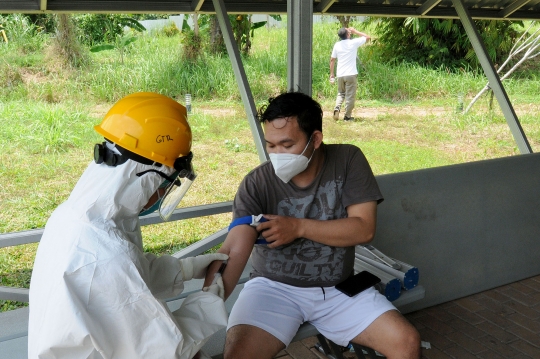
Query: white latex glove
x,y
195,267
216,288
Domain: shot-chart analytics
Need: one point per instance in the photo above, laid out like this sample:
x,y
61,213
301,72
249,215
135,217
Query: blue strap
x,y
241,220
252,221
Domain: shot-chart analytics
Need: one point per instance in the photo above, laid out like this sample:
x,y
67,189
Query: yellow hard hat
x,y
150,125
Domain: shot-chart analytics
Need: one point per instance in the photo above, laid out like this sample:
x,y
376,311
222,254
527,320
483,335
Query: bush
x,y
21,32
441,43
9,76
192,45
99,28
170,30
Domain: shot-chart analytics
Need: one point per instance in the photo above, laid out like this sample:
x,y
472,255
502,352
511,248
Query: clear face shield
x,y
174,193
173,189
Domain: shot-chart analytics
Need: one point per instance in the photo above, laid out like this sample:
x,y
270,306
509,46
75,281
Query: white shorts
x,y
280,309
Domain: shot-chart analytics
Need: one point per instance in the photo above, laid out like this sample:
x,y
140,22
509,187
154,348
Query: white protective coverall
x,y
95,294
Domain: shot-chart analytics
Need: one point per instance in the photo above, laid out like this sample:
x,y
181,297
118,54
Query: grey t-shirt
x,y
345,179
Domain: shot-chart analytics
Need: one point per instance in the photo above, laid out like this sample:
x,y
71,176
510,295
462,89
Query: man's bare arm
x,y
238,246
358,228
332,62
358,33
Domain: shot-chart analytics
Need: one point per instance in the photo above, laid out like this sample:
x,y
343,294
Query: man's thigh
x,y
270,307
341,318
341,86
351,84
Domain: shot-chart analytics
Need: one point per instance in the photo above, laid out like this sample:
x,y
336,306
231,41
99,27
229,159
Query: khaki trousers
x,y
347,86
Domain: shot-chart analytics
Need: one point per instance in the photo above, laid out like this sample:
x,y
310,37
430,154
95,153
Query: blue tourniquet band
x,y
252,221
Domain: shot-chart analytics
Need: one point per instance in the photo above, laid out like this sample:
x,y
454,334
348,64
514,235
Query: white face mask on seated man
x,y
288,165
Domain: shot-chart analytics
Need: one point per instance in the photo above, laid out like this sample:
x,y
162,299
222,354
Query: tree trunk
x,y
68,44
196,24
344,20
217,45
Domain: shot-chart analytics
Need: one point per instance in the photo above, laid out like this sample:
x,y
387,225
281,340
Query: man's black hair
x,y
342,33
294,104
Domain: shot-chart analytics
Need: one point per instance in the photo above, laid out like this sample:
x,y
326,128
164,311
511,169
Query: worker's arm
x,y
352,30
358,228
332,63
238,246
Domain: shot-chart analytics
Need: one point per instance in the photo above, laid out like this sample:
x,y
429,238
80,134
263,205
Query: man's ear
x,y
317,138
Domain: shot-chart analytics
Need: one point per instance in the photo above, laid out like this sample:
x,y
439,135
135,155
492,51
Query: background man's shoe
x,y
348,118
336,114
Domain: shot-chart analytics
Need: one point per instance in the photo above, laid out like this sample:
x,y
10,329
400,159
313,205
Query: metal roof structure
x,y
478,9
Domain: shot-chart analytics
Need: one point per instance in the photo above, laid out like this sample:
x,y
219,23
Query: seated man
x,y
320,201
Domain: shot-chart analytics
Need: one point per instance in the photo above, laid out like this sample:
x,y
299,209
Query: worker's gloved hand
x,y
216,288
195,267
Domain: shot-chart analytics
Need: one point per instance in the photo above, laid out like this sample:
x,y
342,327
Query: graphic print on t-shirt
x,y
306,260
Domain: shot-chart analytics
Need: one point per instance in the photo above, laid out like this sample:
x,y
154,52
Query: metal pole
x,y
241,79
299,45
493,78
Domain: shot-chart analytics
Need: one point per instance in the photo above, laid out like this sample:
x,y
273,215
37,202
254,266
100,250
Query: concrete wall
x,y
467,227
178,20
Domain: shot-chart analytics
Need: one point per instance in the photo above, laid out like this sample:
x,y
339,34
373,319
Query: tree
x,y
217,45
119,41
243,30
344,20
441,42
66,42
191,40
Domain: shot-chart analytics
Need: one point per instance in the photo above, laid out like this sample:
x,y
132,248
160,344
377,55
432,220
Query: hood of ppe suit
x,y
114,196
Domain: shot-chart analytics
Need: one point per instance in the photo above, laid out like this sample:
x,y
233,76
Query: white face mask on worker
x,y
288,165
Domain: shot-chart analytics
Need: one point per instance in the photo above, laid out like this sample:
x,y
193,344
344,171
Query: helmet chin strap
x,y
176,181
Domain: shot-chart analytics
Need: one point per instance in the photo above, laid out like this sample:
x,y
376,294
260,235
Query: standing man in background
x,y
345,52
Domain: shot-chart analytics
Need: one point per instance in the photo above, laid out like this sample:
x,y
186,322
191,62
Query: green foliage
x,y
441,43
121,44
120,41
10,75
104,28
45,22
22,33
149,16
171,30
192,45
42,127
243,29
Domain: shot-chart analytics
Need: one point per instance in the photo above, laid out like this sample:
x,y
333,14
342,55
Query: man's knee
x,y
246,341
410,342
405,343
392,335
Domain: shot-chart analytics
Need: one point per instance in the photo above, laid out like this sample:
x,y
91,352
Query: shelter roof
x,y
479,9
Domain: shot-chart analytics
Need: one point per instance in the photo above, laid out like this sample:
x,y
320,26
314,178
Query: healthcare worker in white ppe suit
x,y
93,292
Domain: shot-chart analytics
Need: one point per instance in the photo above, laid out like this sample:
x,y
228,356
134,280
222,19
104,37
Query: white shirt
x,y
345,52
